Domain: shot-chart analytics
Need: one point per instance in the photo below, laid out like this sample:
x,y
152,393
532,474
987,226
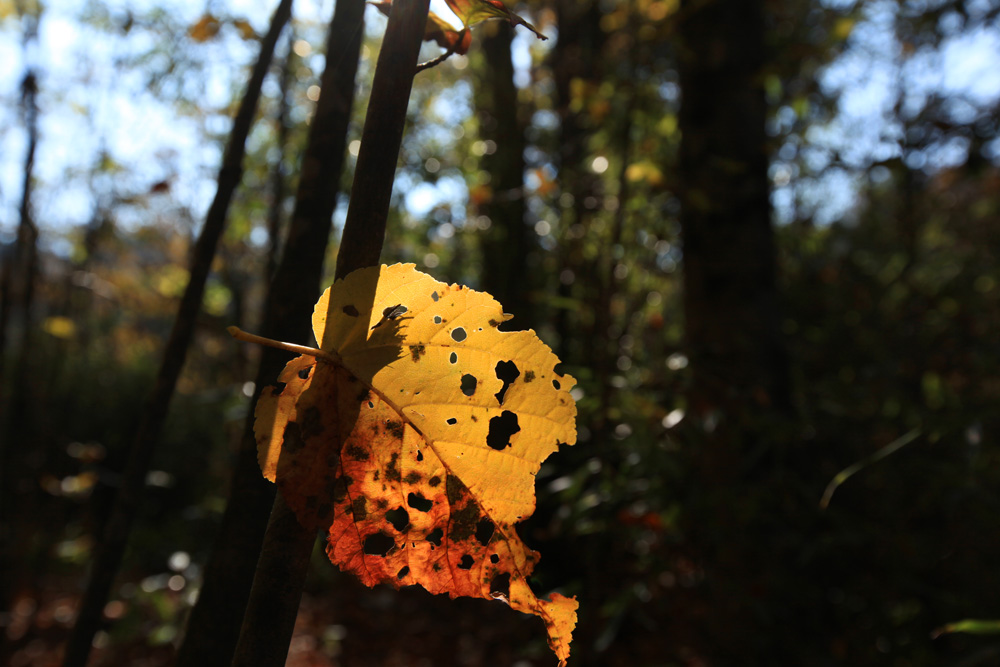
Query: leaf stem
x,y
246,337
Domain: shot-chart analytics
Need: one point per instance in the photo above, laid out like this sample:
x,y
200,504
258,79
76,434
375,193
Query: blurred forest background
x,y
757,232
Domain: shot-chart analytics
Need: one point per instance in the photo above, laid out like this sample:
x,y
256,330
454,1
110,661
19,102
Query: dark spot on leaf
x,y
529,376
453,358
356,452
474,418
555,383
500,585
339,491
434,295
434,537
463,523
417,351
359,508
495,558
312,423
403,572
507,372
501,430
392,470
394,428
437,567
381,503
350,310
378,544
437,319
469,383
375,476
454,489
419,503
412,477
304,373
279,387
293,441
484,531
420,456
392,312
494,324
452,421
434,481
466,562
399,518
458,335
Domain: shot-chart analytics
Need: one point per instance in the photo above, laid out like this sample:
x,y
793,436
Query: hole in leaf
x,y
437,319
453,359
350,310
434,295
434,537
506,371
495,558
280,387
403,572
452,421
399,518
420,456
555,383
458,335
469,383
465,563
304,373
501,429
370,404
378,544
419,503
484,531
500,585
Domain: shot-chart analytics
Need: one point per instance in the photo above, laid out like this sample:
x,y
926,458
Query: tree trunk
x,y
739,378
214,624
115,538
506,245
281,571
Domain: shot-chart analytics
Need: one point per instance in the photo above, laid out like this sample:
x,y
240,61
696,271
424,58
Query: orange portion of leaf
x,y
418,449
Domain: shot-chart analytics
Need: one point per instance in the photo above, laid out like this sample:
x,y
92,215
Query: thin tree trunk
x,y
505,246
281,571
115,538
278,176
214,624
23,270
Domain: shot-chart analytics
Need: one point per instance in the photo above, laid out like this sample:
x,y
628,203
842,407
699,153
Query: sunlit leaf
x,y
416,442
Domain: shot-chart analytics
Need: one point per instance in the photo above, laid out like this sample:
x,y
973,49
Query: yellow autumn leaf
x,y
205,29
58,326
416,441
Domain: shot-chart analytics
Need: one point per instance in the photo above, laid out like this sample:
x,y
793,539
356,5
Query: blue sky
x,y
88,103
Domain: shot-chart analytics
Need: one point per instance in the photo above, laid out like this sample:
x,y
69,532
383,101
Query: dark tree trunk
x,y
214,624
505,246
730,293
575,61
281,571
738,395
112,545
